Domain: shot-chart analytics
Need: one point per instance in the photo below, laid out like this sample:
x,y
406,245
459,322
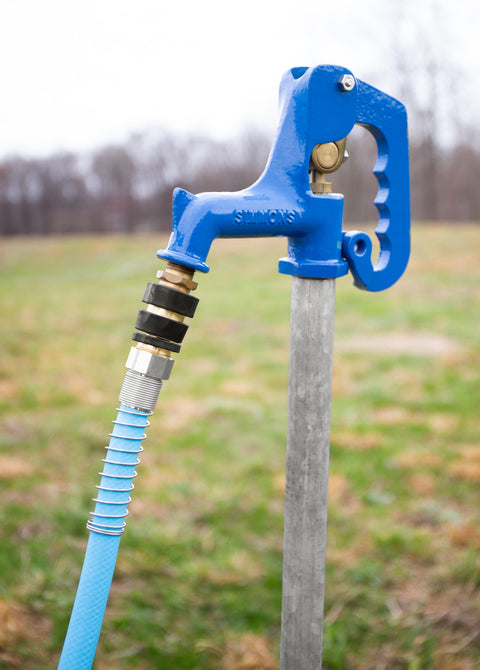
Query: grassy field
x,y
198,580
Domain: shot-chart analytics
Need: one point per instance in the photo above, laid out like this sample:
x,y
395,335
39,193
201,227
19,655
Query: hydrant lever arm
x,y
386,119
319,105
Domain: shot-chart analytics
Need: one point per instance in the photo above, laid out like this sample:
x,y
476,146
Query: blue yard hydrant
x,y
319,108
292,198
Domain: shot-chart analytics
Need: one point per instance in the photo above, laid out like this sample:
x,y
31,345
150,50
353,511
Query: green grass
x,y
198,579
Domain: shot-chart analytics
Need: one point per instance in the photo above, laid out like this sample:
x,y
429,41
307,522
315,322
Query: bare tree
x,y
424,78
113,172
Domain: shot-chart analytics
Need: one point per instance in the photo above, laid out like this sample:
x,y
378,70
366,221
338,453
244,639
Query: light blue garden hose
x,y
106,527
149,363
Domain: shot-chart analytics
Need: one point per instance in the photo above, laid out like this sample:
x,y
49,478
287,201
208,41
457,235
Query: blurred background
x,y
106,106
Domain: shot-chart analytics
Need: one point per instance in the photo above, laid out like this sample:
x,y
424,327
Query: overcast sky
x,y
76,75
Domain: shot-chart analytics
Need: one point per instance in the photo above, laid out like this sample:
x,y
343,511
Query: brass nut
x,y
148,364
178,280
322,187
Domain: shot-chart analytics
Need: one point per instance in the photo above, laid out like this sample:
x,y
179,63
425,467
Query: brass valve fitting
x,y
326,158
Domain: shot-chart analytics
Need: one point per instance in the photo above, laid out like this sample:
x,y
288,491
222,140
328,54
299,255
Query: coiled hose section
x,y
106,526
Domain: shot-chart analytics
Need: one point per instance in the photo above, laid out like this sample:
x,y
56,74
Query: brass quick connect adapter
x,y
161,332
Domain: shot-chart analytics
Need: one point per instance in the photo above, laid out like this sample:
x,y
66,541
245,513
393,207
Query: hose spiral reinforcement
x,y
118,472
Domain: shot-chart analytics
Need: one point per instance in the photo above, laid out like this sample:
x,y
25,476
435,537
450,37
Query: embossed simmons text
x,y
266,216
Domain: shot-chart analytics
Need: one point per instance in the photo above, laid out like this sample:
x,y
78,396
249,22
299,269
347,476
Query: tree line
x,y
127,187
124,187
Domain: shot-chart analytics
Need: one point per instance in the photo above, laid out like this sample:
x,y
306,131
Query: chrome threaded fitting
x,y
149,364
139,391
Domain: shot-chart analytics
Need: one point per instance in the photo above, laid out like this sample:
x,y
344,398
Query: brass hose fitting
x,y
177,278
160,330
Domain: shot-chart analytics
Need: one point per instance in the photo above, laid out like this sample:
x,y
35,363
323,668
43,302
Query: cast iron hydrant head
x,y
319,107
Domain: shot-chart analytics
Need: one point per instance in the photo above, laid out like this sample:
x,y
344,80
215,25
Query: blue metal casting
x,y
315,109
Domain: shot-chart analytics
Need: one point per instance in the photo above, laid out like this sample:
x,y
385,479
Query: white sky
x,y
76,75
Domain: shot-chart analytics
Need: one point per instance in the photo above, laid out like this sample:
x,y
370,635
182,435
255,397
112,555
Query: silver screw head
x,y
346,82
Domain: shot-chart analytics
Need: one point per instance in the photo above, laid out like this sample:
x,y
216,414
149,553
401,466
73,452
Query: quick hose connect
x,y
161,332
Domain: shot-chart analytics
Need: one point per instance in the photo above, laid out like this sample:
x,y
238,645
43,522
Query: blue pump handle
x,y
315,109
386,119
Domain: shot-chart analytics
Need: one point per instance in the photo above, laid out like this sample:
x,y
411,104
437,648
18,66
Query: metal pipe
x,y
306,490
